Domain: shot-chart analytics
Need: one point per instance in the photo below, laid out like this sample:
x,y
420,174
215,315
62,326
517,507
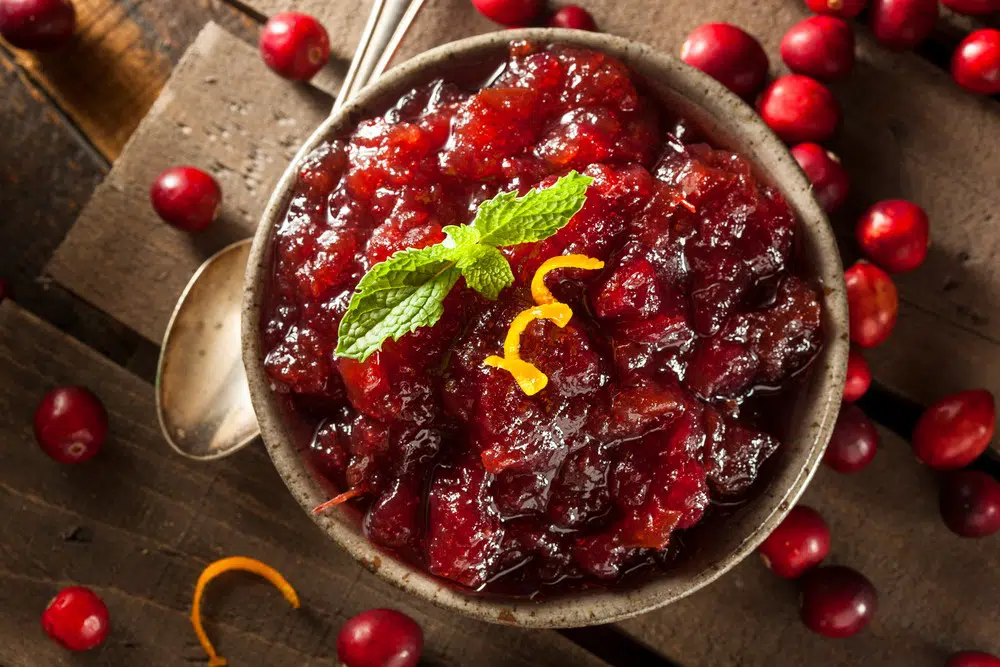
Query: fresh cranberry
x,y
799,109
76,619
186,197
837,601
972,7
972,659
976,63
71,424
845,9
873,304
820,46
894,233
380,638
828,177
294,45
970,503
37,25
859,377
511,13
4,289
729,55
853,442
955,430
800,541
572,16
903,24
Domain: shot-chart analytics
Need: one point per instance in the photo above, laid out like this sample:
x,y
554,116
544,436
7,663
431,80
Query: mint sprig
x,y
407,291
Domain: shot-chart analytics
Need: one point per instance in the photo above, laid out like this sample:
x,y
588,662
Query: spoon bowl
x,y
202,397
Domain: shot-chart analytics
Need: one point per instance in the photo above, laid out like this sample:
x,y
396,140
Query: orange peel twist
x,y
540,293
243,564
528,377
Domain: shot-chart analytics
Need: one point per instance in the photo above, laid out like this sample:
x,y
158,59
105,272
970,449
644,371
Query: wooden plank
x,y
937,592
222,110
48,171
138,523
110,75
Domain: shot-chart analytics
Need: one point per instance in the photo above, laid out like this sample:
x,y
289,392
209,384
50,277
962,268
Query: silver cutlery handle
x,y
386,25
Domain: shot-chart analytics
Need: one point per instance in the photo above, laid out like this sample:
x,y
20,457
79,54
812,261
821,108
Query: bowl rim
x,y
604,606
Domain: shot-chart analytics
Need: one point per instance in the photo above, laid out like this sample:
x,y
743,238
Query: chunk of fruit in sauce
x,y
655,400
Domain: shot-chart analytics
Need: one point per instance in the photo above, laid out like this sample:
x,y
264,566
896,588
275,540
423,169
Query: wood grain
x,y
138,523
937,592
47,172
109,76
222,110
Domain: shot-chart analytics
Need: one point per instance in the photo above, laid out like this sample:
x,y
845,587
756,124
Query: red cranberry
x,y
955,430
37,25
970,503
976,63
799,108
294,45
572,16
972,659
380,638
902,24
853,442
820,46
729,55
873,304
186,197
829,179
511,13
799,542
859,378
845,9
837,601
76,619
972,7
71,424
4,289
895,233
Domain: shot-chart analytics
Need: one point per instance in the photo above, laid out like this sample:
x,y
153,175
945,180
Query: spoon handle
x,y
387,24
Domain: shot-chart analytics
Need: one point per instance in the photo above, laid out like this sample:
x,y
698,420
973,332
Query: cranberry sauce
x,y
645,421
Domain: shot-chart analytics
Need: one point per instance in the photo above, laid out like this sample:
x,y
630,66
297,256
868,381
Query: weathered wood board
x,y
222,110
47,173
121,55
138,523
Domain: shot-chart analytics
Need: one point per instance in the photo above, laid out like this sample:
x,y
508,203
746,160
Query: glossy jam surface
x,y
652,412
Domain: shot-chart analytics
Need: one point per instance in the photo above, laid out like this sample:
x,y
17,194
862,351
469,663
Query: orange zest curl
x,y
528,377
342,498
540,293
225,565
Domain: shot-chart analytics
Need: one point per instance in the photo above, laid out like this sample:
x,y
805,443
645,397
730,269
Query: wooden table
x,y
158,82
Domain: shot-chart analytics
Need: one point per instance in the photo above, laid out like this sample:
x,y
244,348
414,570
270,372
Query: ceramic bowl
x,y
732,124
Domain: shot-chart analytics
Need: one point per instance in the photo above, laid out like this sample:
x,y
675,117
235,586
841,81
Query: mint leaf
x,y
486,270
407,291
508,219
396,297
458,236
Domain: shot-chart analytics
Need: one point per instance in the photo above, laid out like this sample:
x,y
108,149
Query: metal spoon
x,y
202,399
